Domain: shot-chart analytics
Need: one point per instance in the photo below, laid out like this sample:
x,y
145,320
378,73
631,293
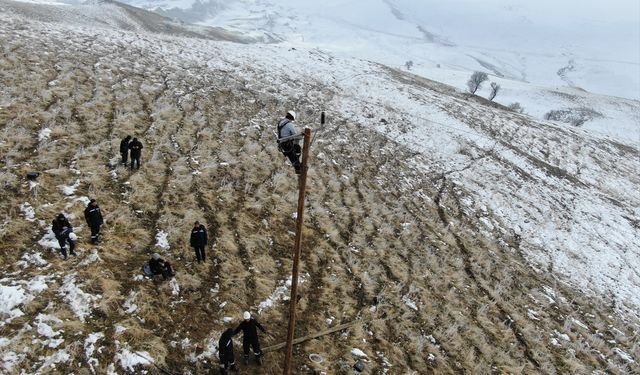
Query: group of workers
x,y
288,144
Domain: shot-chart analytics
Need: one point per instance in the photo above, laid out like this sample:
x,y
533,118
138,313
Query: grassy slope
x,y
366,235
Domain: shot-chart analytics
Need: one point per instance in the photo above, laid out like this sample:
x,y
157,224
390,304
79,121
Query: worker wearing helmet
x,y
290,148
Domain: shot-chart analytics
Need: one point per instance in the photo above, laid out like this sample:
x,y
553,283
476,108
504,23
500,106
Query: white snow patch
x,y
84,200
28,211
49,240
32,258
129,360
90,347
119,329
81,303
280,293
44,134
129,305
624,355
409,302
93,257
162,240
175,288
532,315
358,353
10,298
9,360
61,356
69,190
43,328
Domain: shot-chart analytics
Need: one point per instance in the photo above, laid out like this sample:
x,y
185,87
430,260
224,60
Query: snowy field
x,y
543,54
436,220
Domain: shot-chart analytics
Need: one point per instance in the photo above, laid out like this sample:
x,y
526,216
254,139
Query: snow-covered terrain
x,y
544,54
468,225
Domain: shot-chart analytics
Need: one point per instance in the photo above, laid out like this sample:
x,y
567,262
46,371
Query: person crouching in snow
x,y
160,267
250,337
225,352
63,231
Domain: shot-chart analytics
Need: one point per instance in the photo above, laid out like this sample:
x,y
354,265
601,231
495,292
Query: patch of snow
x,y
624,355
90,347
129,360
175,288
93,257
10,298
409,302
61,356
44,134
129,306
119,329
84,200
34,258
49,240
69,190
227,319
162,240
579,323
532,315
9,360
28,211
280,293
43,328
358,353
81,303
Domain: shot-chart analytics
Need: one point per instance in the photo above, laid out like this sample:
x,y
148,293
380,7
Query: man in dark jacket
x,y
199,240
290,148
225,352
124,149
62,229
93,216
250,336
160,267
136,150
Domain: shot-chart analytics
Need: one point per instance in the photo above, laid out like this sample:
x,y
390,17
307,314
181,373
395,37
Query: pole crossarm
x,y
302,339
291,137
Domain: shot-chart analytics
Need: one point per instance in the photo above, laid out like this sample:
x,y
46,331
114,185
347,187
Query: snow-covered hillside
x,y
459,235
544,54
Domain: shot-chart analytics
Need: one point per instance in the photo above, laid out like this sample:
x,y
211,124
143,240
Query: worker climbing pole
x,y
302,185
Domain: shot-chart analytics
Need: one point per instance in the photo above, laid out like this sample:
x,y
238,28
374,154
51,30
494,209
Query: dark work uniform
x,y
199,241
160,267
93,216
136,150
225,351
61,228
124,149
250,336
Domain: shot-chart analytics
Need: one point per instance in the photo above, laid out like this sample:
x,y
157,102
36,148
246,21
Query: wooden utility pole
x,y
296,253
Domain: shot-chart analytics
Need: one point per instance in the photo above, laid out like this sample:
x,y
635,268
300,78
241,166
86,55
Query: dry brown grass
x,y
367,238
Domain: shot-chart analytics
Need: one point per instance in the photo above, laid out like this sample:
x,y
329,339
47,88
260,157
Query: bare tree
x,y
409,64
476,80
516,107
495,88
